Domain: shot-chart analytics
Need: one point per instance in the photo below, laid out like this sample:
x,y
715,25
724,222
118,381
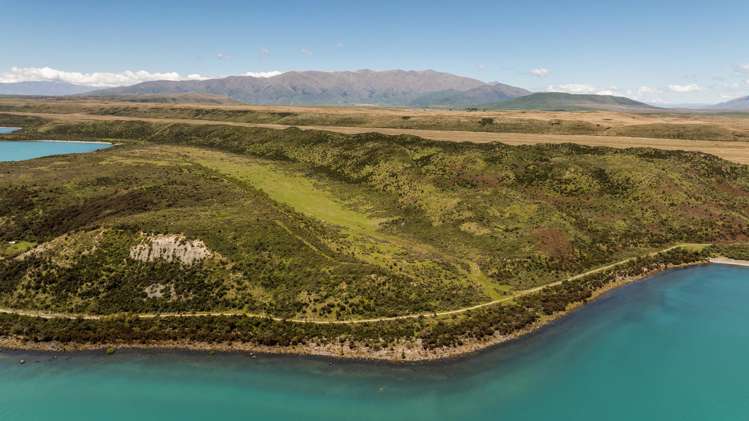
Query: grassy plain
x,y
659,123
720,134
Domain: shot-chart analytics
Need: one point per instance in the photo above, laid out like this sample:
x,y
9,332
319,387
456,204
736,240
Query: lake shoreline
x,y
731,262
16,151
93,142
403,352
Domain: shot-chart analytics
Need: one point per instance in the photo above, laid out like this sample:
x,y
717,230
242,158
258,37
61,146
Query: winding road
x,y
83,316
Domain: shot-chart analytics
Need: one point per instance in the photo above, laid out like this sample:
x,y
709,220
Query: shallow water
x,y
671,348
21,150
6,130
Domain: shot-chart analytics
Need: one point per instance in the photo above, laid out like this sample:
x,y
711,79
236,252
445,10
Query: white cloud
x,y
572,88
264,74
306,51
744,68
613,90
582,88
97,79
685,88
222,56
540,72
644,90
646,93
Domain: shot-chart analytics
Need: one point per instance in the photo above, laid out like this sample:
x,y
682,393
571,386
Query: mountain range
x,y
427,88
44,88
558,101
484,94
363,87
738,104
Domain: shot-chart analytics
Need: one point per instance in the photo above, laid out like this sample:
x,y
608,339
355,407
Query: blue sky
x,y
670,51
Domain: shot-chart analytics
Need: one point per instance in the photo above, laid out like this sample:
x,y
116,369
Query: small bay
x,y
22,150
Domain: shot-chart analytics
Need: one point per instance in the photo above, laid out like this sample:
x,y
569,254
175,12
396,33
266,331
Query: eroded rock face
x,y
172,248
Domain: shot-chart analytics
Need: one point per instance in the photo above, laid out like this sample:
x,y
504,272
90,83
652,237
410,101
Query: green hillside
x,y
322,226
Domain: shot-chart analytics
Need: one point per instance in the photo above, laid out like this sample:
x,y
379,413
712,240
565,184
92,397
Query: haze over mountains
x,y
366,87
392,87
43,88
738,104
426,88
484,94
573,102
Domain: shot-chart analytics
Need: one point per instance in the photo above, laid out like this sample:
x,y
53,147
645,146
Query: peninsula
x,y
209,233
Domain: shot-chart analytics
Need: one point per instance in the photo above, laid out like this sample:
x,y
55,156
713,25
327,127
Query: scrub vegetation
x,y
319,226
662,124
737,251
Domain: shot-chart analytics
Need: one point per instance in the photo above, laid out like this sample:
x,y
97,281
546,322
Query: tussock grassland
x,y
666,125
723,135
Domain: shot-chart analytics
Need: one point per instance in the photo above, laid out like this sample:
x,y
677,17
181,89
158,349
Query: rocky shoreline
x,y
405,351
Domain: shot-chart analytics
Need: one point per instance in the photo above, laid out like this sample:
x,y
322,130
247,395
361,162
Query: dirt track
x,y
83,316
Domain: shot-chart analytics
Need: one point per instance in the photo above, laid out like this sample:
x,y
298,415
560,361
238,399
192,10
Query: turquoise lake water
x,y
6,130
17,150
672,348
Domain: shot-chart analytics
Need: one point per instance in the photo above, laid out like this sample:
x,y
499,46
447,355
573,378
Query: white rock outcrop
x,y
172,248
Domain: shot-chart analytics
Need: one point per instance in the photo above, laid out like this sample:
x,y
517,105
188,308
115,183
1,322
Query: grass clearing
x,y
283,186
14,248
367,242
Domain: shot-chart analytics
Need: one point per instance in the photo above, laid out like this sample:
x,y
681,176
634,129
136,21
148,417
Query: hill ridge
x,y
560,101
387,87
738,104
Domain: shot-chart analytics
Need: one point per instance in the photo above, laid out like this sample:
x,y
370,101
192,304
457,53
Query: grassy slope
x,y
320,225
326,226
272,258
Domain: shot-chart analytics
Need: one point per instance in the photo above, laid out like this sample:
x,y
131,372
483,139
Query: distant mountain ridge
x,y
44,88
738,104
408,88
391,87
558,101
483,94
